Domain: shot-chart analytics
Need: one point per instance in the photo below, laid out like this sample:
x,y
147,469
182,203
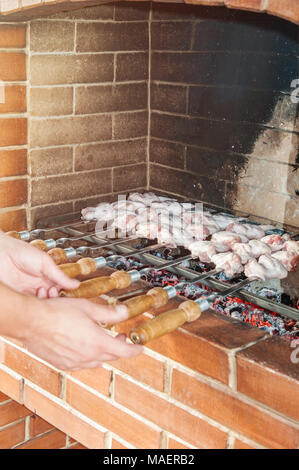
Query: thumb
x,y
52,272
105,314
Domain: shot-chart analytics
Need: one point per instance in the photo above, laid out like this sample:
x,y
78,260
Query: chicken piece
x,y
172,207
88,213
145,198
181,238
131,206
223,221
252,249
187,218
249,230
275,269
259,248
230,263
254,270
289,259
224,241
146,214
266,268
125,221
243,250
166,199
292,245
212,228
276,242
165,237
103,212
197,231
147,230
203,250
201,217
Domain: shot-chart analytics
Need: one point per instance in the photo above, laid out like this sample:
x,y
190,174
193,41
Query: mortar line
x,y
28,83
149,97
230,440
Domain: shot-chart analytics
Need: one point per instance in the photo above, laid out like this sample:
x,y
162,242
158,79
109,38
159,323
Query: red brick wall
x,y
21,429
88,106
83,116
13,127
216,383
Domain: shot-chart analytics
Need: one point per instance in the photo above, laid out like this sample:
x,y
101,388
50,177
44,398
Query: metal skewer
x,y
188,311
117,280
61,255
26,235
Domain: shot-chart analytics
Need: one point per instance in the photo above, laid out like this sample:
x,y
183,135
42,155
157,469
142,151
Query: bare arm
x,y
64,332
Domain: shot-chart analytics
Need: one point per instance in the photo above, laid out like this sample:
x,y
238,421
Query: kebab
x,y
268,267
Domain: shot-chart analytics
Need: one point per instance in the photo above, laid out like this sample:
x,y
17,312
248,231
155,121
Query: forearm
x,y
15,313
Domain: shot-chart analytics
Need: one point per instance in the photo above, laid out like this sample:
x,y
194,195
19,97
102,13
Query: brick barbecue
x,y
191,101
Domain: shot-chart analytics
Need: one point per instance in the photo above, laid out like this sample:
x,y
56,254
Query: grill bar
x,y
122,247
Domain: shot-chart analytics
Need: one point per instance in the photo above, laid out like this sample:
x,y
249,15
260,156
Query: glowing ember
x,y
271,322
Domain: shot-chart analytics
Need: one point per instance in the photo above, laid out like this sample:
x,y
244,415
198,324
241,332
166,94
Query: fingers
x,y
106,314
47,292
56,275
122,337
87,365
53,292
41,293
118,347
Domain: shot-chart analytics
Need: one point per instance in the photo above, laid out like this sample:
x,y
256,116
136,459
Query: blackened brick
x,y
171,36
129,177
109,98
97,37
215,68
110,154
167,153
169,98
128,125
132,66
183,183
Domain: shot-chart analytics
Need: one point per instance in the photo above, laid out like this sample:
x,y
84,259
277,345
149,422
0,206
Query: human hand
x,y
28,270
65,332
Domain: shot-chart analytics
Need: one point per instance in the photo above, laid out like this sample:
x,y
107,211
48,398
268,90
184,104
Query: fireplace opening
x,y
224,117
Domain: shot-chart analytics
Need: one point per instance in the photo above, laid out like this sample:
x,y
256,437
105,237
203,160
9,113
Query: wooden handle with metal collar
x,y
39,244
154,298
99,285
165,323
44,245
14,235
58,255
84,266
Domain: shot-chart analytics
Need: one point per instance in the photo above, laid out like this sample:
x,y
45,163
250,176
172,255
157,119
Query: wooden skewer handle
x,y
39,244
58,255
154,298
14,235
84,266
99,285
166,322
